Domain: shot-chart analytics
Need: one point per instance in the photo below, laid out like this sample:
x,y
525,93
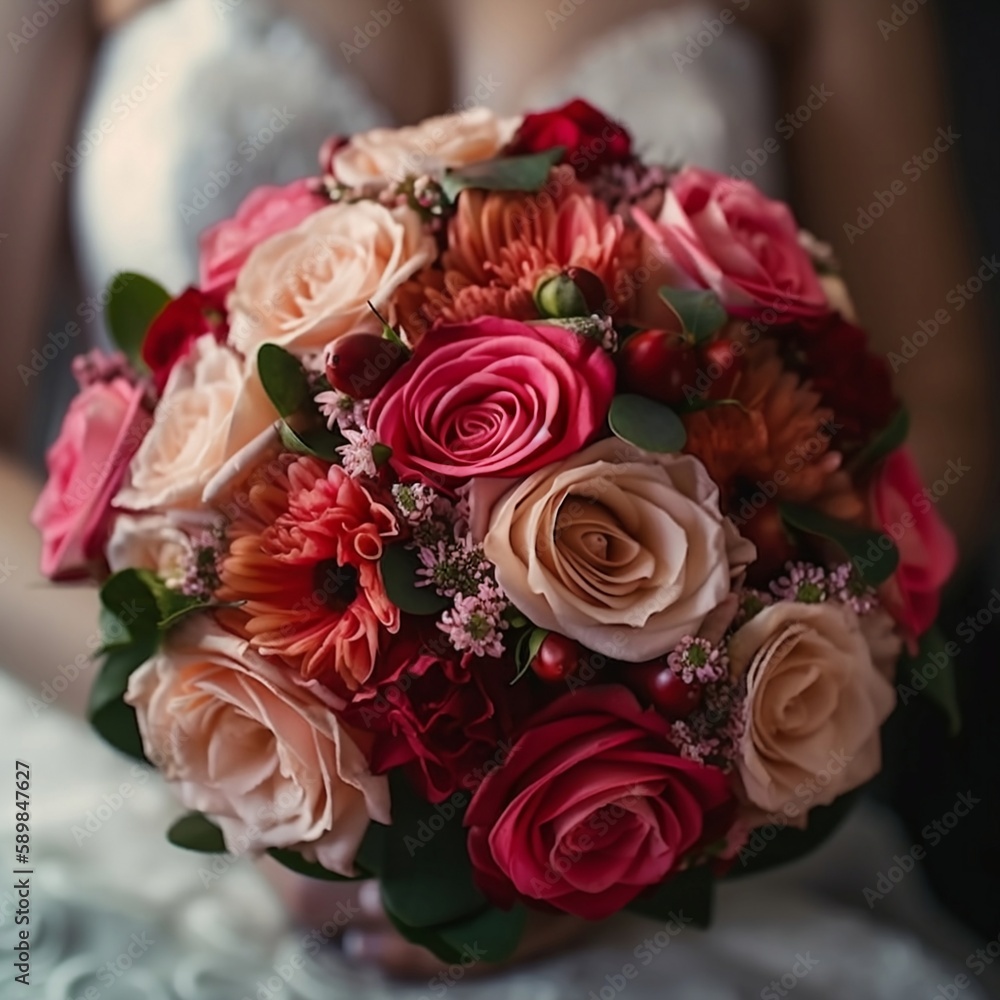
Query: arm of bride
x,y
883,127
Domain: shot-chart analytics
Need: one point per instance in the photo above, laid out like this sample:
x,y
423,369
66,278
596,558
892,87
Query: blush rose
x,y
815,703
266,211
622,550
240,741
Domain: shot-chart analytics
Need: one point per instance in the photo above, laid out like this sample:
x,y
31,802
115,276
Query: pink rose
x,y
264,212
101,431
240,740
592,806
927,550
493,397
725,235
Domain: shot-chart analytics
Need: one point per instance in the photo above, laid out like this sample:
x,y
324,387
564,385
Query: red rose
x,y
592,807
927,550
176,327
493,397
723,234
440,715
591,138
855,383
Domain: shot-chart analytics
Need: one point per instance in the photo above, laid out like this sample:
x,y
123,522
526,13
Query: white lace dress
x,y
201,100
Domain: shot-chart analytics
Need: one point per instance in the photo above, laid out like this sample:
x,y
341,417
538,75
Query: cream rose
x,y
239,741
624,551
815,703
213,406
309,285
151,541
385,155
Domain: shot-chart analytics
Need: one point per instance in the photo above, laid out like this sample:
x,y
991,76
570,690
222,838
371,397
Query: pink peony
x,y
493,397
263,213
927,550
101,431
725,235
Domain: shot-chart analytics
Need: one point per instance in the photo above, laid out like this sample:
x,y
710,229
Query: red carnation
x,y
592,807
181,321
855,383
442,716
590,138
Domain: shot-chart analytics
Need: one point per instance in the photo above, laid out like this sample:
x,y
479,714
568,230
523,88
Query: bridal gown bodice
x,y
194,103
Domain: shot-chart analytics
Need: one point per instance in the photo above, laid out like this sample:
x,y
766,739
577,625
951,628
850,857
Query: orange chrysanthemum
x,y
500,244
779,437
304,557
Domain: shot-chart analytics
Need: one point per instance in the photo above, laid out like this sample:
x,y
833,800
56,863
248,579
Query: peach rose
x,y
624,551
213,406
386,155
815,704
309,285
240,741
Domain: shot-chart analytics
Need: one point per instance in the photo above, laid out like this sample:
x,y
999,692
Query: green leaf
x,y
196,832
399,574
891,437
317,442
934,667
426,937
133,304
779,844
495,932
294,861
691,892
509,173
426,872
381,453
873,553
700,312
112,719
527,649
647,424
284,379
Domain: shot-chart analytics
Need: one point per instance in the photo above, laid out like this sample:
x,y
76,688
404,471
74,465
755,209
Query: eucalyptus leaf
x,y
647,424
316,442
294,861
426,873
509,173
890,438
133,302
399,574
690,892
934,666
873,554
700,311
196,832
283,378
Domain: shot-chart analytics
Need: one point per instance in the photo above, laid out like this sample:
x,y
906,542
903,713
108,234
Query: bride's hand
x,y
366,935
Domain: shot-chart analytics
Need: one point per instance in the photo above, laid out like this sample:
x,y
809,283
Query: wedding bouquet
x,y
504,518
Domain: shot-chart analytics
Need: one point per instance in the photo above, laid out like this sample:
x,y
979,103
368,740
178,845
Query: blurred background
x,y
126,128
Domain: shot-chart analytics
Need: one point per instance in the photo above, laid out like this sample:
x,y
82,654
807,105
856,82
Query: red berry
x,y
360,364
722,365
659,364
557,658
669,694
